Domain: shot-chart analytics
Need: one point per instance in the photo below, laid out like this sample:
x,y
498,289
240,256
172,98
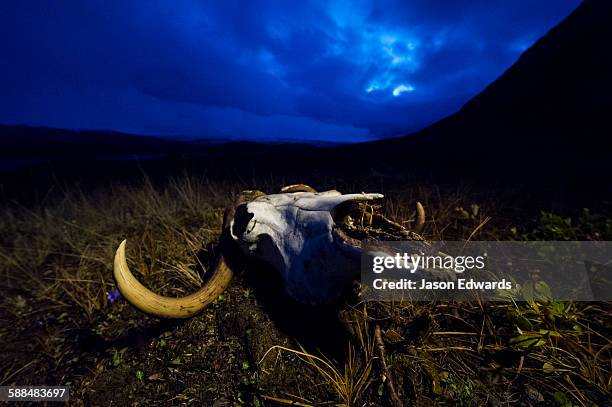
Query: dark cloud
x,y
257,69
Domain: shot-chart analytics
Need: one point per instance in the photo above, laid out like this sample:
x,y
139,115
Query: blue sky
x,y
321,70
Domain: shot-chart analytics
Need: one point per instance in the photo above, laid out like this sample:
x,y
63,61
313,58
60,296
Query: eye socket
x,y
242,218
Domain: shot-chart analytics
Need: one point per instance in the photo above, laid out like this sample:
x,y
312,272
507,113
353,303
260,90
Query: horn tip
x,y
121,249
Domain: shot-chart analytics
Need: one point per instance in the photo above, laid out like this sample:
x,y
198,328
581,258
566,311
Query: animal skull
x,y
294,231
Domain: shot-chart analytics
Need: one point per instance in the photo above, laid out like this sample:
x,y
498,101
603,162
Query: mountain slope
x,y
25,142
554,104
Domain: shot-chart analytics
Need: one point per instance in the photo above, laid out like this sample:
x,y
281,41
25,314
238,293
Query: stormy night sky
x,y
319,70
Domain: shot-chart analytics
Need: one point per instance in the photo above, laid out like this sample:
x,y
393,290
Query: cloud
x,y
402,88
314,69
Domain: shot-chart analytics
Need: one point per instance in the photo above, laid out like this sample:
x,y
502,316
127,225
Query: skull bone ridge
x,y
294,233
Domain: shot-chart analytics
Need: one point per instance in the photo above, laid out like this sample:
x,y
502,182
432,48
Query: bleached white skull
x,y
297,232
294,232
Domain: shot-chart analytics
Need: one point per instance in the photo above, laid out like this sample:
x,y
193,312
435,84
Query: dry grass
x,y
350,380
55,271
55,267
72,240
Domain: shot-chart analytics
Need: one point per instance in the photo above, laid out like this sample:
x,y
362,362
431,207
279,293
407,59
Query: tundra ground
x,y
62,322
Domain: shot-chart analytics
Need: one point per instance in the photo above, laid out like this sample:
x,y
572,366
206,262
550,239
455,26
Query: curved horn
x,y
298,188
169,307
420,221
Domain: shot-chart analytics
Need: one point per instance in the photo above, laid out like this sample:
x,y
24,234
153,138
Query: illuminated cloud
x,y
401,89
328,68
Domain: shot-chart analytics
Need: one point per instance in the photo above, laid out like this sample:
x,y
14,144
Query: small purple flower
x,y
113,296
38,323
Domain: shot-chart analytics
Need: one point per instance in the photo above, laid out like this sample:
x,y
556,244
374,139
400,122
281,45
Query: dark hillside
x,y
552,110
